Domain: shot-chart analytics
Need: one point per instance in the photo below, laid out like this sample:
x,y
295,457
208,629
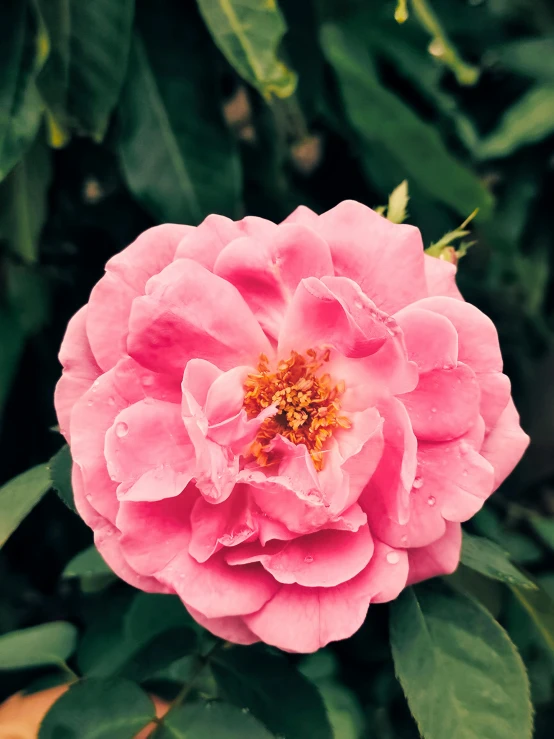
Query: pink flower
x,y
283,423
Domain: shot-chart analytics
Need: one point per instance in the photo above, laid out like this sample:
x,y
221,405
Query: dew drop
x,y
111,401
246,710
418,483
149,401
465,473
431,500
393,558
309,559
89,402
404,539
147,380
358,304
95,385
433,410
121,429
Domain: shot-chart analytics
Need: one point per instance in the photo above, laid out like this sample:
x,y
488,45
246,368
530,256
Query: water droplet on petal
x,y
111,401
431,500
358,304
393,558
148,380
418,483
95,385
149,401
89,402
309,559
404,539
121,429
433,410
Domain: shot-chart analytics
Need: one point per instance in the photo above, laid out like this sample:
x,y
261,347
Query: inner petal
x,y
307,401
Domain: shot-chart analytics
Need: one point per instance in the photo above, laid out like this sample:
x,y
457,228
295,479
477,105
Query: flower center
x,y
308,403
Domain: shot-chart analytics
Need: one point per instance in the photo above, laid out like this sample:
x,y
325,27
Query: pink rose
x,y
283,423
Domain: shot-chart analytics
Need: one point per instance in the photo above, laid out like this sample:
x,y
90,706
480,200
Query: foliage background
x,y
115,116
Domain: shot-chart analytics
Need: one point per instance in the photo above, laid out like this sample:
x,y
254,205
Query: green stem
x,y
441,46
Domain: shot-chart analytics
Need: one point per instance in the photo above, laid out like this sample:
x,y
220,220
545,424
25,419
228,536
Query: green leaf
x,y
529,120
460,672
98,709
489,559
383,121
533,57
249,32
91,569
48,644
60,471
82,78
21,57
345,714
19,496
540,608
151,614
178,157
23,201
213,720
544,528
158,653
273,690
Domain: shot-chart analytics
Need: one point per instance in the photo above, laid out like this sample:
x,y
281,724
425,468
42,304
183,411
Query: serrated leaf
x,y
178,157
529,120
19,496
48,644
461,674
273,690
82,78
214,720
383,121
98,709
60,471
489,559
249,33
540,608
20,61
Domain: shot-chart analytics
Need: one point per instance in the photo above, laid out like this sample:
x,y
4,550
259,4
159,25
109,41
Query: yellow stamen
x,y
309,405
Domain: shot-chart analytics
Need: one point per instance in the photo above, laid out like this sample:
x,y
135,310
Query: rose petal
x,y
439,558
441,277
431,340
179,320
230,628
505,445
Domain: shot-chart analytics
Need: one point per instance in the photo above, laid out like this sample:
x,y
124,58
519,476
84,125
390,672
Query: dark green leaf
x,y
529,120
82,78
21,56
48,644
98,709
23,200
178,156
19,496
544,528
381,119
151,614
60,471
92,571
213,721
540,608
489,559
249,33
158,653
460,672
273,690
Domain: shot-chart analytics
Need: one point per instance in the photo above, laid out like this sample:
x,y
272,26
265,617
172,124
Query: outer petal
x,y
495,393
333,312
384,258
445,403
204,243
149,452
324,559
439,558
431,339
441,277
180,318
505,444
231,628
126,275
477,336
299,619
79,369
267,272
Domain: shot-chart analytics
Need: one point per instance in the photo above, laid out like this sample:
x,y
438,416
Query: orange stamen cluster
x,y
308,404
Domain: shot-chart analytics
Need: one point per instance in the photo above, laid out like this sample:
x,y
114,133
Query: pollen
x,y
308,403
